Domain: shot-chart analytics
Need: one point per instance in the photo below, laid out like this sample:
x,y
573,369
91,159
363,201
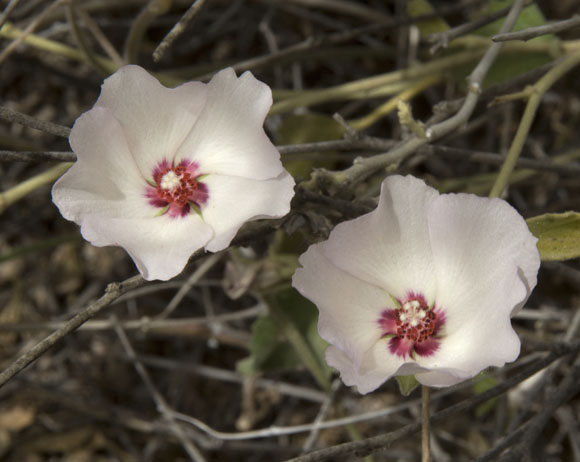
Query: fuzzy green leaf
x,y
558,235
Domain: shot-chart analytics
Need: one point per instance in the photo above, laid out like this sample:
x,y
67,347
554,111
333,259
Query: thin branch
x,y
365,167
177,29
503,444
532,32
29,29
162,407
114,291
7,11
276,431
334,39
568,387
492,158
102,40
442,39
321,416
226,375
200,272
547,375
347,8
363,142
11,115
144,324
347,145
369,445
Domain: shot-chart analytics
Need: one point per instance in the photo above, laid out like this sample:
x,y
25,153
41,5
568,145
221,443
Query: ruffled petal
x,y
233,200
160,246
485,264
377,366
442,377
105,180
390,246
350,309
228,138
155,119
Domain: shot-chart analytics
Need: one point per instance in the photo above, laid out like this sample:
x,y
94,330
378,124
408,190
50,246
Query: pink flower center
x,y
176,185
176,189
414,327
415,321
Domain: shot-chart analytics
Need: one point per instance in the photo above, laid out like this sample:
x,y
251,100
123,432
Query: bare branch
x,y
442,39
532,32
365,167
11,115
114,291
177,29
162,406
367,446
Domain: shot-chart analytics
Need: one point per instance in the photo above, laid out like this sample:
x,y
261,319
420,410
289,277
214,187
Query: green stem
x,y
538,91
40,43
9,197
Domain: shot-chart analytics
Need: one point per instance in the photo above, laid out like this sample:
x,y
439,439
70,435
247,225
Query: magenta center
x,y
415,321
414,327
177,189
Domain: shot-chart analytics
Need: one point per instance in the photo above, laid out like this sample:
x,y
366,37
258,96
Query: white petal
x,y
160,246
442,377
466,352
378,366
228,137
233,200
349,372
155,119
485,262
105,179
390,246
349,308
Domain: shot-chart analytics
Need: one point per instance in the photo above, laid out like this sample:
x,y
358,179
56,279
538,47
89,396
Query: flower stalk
x,y
425,428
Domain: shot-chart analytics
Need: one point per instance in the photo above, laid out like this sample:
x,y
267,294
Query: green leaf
x,y
431,26
407,383
265,338
558,235
508,66
287,338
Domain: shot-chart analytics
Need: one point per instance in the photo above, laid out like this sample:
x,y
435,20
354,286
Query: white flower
x,y
164,172
425,285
